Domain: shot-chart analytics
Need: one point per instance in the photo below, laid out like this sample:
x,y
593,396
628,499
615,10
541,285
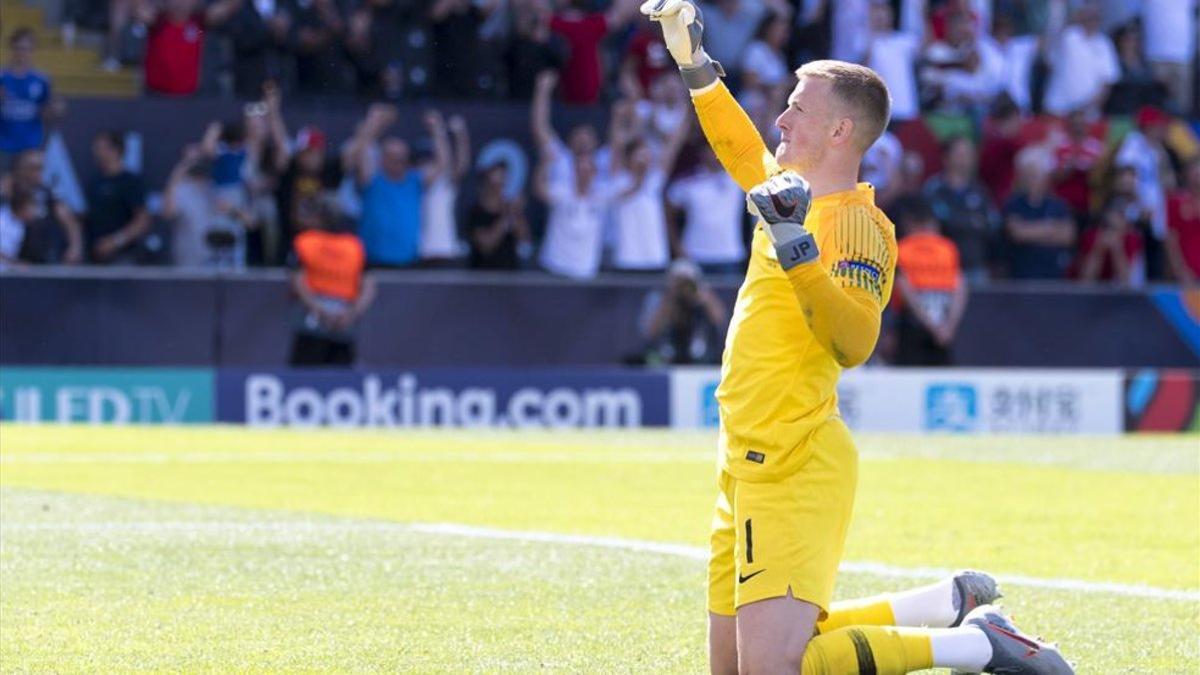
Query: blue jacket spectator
x,y
391,194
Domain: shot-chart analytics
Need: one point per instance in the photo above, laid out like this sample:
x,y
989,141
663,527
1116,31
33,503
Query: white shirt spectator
x,y
894,56
980,85
881,163
1170,30
1082,66
639,224
712,204
1018,54
575,228
439,232
851,30
764,62
726,35
12,233
1137,151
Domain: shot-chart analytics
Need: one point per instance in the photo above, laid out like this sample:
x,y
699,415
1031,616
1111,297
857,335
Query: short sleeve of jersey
x,y
856,251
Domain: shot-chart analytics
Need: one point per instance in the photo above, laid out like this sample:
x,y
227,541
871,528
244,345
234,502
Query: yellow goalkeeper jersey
x,y
778,382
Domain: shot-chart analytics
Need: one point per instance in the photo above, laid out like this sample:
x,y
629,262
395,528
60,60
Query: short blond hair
x,y
861,89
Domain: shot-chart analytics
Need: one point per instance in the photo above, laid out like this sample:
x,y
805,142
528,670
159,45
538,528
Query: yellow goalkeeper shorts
x,y
769,537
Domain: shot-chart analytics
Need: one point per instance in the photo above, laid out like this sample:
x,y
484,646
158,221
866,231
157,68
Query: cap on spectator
x,y
310,138
1152,116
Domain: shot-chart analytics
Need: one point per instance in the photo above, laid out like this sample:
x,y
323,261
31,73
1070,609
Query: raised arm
x,y
539,111
675,143
462,146
729,130
354,158
435,124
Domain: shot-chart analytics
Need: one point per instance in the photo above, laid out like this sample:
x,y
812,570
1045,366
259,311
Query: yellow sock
x,y
873,611
868,650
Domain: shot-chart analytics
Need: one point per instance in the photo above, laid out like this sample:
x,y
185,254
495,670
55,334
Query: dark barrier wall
x,y
151,317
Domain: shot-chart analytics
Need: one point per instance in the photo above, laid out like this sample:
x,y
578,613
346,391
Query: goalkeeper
x,y
821,270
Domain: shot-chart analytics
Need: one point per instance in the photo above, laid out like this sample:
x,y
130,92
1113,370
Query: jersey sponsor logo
x,y
756,457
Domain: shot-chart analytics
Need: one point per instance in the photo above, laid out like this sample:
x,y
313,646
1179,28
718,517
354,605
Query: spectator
x,y
1083,65
266,160
378,36
850,28
893,54
312,172
175,41
682,323
910,191
583,72
729,26
15,219
1038,228
262,35
25,99
668,107
572,184
496,226
391,214
534,47
117,220
1001,143
1170,27
1123,196
53,234
712,205
1183,227
881,168
961,72
646,59
1137,85
639,223
321,65
207,229
963,207
932,291
1019,54
1145,150
439,228
458,47
766,78
1111,250
1075,159
333,290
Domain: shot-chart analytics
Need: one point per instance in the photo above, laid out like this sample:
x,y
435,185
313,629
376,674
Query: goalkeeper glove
x,y
682,27
782,202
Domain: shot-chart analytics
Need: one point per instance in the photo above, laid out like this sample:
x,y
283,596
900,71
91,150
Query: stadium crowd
x,y
1036,139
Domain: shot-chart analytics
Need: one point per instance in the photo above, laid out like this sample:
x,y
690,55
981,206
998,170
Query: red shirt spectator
x,y
1183,224
1126,242
648,56
998,155
581,76
175,41
1075,157
173,49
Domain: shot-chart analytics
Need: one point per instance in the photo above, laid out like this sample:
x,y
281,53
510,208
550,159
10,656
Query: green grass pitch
x,y
229,550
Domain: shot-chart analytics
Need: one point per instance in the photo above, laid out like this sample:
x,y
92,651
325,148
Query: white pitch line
x,y
614,543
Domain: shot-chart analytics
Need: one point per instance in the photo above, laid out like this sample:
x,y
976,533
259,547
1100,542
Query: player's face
x,y
805,126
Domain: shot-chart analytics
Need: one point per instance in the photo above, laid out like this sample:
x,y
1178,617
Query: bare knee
x,y
773,634
722,644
